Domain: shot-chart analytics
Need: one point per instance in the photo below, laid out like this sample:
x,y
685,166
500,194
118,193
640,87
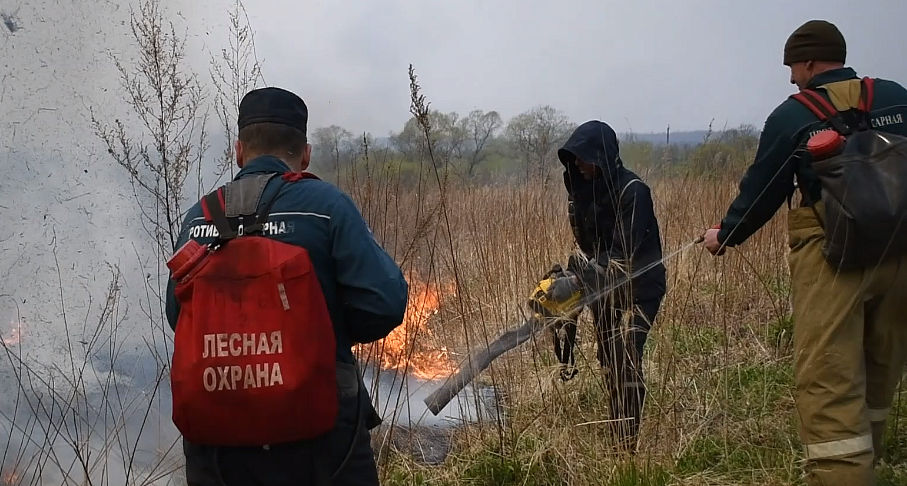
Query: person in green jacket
x,y
850,339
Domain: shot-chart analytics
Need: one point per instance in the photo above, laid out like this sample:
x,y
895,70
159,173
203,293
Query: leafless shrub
x,y
97,418
169,104
234,73
84,417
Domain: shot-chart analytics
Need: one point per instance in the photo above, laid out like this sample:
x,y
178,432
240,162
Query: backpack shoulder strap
x,y
622,191
823,109
827,112
866,94
213,210
242,196
820,107
240,199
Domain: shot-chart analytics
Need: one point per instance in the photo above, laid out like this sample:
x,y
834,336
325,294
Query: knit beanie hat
x,y
816,40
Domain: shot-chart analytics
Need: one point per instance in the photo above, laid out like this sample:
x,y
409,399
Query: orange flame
x,y
13,337
9,478
412,347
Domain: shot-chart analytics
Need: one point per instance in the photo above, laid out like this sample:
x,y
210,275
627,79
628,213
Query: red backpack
x,y
254,347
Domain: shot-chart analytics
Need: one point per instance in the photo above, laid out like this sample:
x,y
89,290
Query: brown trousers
x,y
850,339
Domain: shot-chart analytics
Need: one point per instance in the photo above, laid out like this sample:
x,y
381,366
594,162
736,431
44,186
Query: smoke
x,y
85,387
89,407
85,390
408,426
100,427
398,398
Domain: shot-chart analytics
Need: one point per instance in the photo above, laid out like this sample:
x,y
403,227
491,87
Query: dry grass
x,y
719,409
719,316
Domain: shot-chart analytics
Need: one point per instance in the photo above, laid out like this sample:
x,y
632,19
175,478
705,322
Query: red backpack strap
x,y
296,176
214,208
821,107
867,94
219,201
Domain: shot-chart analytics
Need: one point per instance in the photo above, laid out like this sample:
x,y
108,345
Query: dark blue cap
x,y
273,105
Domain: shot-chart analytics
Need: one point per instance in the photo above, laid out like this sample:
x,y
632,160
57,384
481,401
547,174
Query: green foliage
x,y
697,340
632,474
531,461
781,334
739,459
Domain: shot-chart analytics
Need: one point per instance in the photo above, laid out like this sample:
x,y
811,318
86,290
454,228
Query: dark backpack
x,y
863,173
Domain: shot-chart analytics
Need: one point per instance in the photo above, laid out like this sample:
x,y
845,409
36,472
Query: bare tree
x,y
235,73
333,144
536,135
480,127
448,135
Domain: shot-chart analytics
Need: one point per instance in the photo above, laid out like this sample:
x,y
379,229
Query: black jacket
x,y
613,217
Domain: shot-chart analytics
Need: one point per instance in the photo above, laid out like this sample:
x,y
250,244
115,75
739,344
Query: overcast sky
x,y
639,65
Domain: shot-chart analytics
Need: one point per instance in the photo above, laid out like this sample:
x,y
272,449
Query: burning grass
x,y
412,348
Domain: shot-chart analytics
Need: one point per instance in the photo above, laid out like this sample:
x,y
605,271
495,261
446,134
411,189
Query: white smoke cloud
x,y
83,394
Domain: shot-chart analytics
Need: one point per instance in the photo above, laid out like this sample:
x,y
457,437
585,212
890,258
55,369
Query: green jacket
x,y
781,156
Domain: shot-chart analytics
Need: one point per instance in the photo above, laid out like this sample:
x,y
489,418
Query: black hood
x,y
594,142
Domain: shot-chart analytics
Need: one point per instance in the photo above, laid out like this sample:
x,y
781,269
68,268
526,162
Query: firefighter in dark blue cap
x,y
364,290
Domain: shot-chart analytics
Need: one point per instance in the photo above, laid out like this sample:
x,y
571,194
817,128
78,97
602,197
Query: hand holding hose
x,y
710,240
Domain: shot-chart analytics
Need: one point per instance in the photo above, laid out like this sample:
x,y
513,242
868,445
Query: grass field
x,y
718,361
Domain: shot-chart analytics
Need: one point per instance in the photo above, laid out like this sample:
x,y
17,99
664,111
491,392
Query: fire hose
x,y
537,322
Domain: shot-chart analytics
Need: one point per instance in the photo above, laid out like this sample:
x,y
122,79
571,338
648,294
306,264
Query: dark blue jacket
x,y
365,290
613,216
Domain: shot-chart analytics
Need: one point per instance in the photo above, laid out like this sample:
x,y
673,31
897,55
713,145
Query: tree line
x,y
482,146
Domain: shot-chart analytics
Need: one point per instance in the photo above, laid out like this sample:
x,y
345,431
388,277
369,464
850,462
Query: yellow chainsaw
x,y
558,295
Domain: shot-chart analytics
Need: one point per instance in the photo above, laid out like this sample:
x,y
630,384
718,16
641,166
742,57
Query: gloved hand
x,y
593,276
555,271
557,293
563,287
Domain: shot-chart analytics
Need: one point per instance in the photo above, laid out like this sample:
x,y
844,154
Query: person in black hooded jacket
x,y
614,224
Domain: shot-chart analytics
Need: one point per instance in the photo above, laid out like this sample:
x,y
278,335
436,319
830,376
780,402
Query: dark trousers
x,y
621,330
301,463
